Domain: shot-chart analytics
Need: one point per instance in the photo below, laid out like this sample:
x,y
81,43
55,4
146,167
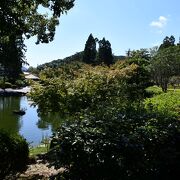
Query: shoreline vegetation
x,y
15,92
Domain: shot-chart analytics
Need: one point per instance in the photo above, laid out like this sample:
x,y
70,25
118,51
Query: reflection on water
x,y
9,121
30,125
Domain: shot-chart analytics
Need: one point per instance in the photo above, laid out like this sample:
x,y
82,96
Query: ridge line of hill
x,y
73,58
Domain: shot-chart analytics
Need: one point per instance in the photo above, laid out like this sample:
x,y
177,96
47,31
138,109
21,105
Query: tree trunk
x,y
164,86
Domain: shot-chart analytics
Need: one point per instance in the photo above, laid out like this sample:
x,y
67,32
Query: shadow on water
x,y
31,125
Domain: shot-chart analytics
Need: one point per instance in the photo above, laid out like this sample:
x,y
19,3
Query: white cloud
x,y
160,23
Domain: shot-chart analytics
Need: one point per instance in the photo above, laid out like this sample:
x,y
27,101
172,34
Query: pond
x,y
31,126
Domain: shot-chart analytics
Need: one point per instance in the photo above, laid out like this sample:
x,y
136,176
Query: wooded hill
x,y
77,57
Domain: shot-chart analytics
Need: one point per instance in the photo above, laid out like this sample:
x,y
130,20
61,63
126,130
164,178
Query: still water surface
x,y
31,126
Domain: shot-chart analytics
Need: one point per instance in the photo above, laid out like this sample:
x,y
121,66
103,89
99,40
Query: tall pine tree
x,y
90,52
105,52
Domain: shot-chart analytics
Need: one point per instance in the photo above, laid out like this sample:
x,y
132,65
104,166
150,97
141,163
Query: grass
x,y
164,103
175,90
41,149
157,90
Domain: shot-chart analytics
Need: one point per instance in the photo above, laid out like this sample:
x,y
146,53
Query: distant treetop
x,y
167,42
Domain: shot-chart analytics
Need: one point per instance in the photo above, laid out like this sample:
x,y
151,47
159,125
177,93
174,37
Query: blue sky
x,y
126,24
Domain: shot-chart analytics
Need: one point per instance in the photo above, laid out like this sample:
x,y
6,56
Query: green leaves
x,y
166,104
107,134
12,57
24,17
131,145
71,90
14,153
165,64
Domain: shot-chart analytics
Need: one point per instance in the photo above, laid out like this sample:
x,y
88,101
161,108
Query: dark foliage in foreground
x,y
131,145
13,153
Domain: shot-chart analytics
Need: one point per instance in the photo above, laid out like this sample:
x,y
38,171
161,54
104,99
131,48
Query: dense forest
x,y
121,113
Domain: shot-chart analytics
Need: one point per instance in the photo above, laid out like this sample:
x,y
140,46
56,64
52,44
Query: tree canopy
x,y
166,62
12,57
24,17
167,42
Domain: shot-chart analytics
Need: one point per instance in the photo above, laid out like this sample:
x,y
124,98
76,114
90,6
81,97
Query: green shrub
x,y
14,153
128,146
71,90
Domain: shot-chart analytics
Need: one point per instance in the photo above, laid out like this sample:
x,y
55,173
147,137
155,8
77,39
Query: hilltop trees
x,y
167,42
104,54
89,55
